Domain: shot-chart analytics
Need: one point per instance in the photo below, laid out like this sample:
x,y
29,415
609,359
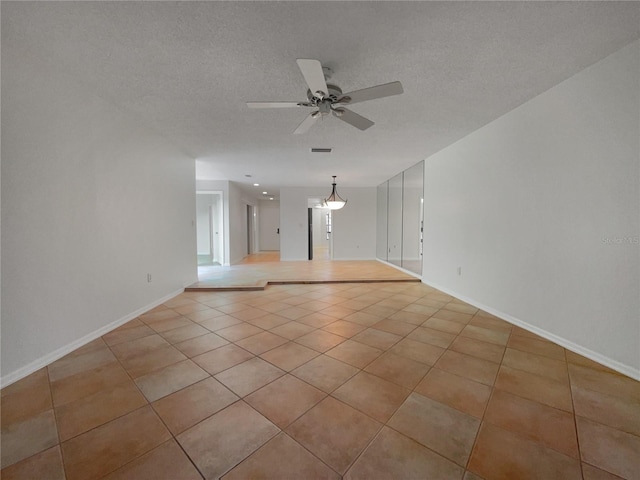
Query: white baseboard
x,y
62,351
627,370
351,259
408,272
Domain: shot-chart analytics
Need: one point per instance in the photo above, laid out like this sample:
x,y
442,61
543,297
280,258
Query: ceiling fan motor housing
x,y
334,93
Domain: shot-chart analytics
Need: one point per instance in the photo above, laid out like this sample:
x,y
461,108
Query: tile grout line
x,y
574,414
486,407
148,405
283,432
55,419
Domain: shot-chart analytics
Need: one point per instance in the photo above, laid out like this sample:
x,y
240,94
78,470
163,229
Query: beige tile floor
x,y
352,380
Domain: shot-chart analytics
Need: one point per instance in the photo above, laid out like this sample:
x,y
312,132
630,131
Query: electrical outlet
x,y
148,278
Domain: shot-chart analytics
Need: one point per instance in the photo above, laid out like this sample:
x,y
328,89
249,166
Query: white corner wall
x,y
541,210
92,202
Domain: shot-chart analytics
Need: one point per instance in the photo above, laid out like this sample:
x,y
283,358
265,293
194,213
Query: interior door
x,y
269,226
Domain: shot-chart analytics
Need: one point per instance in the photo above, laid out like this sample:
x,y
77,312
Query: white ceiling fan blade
x,y
352,118
313,75
371,93
276,104
307,123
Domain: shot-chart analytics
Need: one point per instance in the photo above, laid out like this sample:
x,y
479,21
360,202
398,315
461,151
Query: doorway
x,y
320,239
209,229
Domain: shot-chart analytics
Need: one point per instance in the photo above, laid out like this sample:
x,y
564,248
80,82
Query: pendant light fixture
x,y
334,201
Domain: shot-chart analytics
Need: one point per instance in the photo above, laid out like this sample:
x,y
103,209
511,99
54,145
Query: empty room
x,y
320,240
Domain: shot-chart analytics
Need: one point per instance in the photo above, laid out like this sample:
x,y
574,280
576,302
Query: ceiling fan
x,y
327,99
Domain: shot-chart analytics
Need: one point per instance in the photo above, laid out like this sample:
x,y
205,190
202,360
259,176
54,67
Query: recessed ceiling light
x,y
271,198
256,184
264,193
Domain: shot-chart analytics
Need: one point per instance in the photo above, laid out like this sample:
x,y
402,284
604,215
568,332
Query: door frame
x,y
216,232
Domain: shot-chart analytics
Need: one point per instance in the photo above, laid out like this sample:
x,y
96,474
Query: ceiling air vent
x,y
321,150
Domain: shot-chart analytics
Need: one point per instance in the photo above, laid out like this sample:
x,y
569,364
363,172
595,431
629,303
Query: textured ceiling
x,y
186,70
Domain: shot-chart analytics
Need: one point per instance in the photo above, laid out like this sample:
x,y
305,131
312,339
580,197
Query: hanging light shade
x,y
334,201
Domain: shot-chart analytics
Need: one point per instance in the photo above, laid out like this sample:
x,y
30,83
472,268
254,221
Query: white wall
x,y
92,202
354,226
541,209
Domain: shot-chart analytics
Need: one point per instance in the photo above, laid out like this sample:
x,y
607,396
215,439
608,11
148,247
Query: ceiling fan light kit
x,y
328,99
